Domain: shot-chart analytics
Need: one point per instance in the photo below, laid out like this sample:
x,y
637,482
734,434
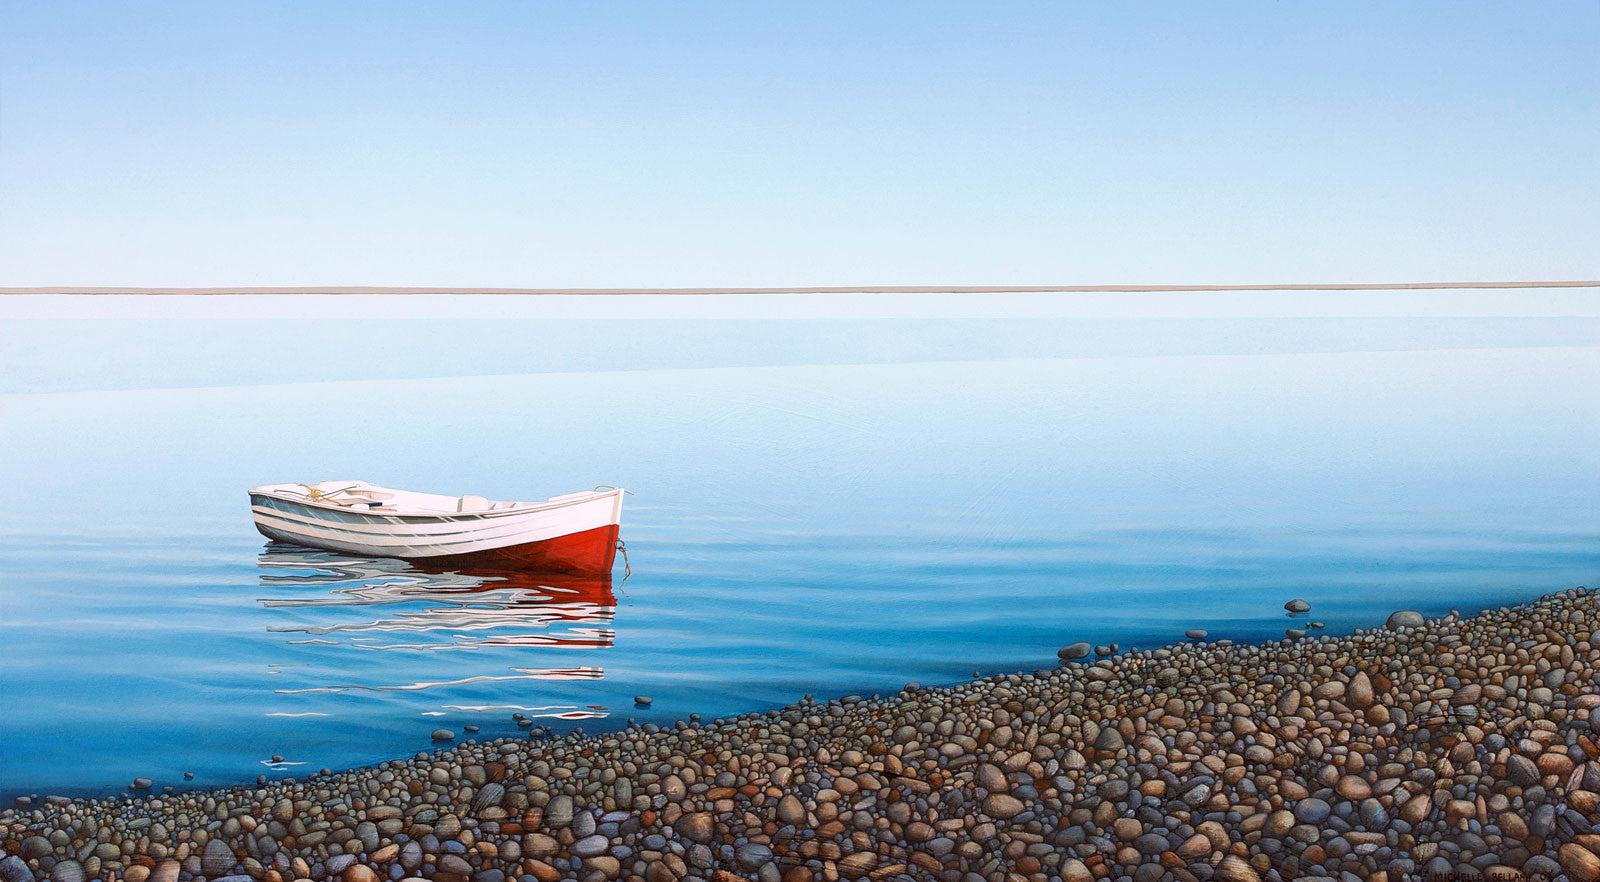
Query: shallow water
x,y
811,515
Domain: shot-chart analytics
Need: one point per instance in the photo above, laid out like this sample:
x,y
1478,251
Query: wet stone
x,y
217,858
15,869
1312,810
1404,619
559,812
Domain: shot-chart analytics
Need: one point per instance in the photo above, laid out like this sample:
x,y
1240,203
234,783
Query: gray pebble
x,y
1404,619
1074,651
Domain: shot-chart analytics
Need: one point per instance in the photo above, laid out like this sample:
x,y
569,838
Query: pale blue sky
x,y
532,144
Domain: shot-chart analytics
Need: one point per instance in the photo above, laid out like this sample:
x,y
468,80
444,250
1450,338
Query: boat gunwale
x,y
548,505
386,528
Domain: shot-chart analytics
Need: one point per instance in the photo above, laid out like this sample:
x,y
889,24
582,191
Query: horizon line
x,y
812,289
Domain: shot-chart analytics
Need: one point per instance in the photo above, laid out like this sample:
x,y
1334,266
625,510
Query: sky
x,y
737,144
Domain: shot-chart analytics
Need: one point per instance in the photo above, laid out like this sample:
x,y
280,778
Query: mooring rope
x,y
627,569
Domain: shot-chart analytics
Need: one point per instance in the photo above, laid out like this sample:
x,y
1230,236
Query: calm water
x,y
813,512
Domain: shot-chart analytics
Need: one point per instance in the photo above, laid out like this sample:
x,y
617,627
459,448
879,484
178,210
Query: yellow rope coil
x,y
316,495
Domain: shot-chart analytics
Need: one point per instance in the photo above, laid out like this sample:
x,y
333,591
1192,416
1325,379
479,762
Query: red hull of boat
x,y
590,552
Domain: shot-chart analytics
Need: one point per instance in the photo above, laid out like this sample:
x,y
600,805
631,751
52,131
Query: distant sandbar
x,y
825,289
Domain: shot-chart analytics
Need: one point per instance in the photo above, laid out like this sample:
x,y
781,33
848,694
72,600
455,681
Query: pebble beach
x,y
1451,747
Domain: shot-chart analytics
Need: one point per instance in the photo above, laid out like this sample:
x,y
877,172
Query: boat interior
x,y
361,496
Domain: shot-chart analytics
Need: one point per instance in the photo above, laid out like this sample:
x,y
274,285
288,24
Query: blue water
x,y
813,512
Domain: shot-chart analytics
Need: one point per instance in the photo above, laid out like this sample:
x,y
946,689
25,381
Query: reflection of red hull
x,y
588,552
539,587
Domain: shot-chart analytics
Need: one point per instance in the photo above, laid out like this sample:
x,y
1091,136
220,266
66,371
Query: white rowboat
x,y
575,533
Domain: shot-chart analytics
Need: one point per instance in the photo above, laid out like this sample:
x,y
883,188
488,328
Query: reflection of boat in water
x,y
433,608
575,533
